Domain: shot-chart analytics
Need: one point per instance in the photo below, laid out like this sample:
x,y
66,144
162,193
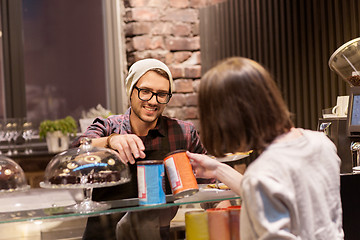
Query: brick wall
x,y
168,30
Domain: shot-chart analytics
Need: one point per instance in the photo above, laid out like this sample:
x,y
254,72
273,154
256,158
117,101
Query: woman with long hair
x,y
292,189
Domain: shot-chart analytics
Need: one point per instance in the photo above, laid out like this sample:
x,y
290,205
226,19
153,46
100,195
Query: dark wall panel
x,y
294,39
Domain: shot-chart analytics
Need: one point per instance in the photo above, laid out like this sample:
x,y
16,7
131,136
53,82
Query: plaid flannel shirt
x,y
180,134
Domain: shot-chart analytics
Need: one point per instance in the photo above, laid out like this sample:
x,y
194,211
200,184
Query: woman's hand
x,y
204,166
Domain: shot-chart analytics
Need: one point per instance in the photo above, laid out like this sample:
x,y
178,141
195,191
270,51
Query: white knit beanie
x,y
139,68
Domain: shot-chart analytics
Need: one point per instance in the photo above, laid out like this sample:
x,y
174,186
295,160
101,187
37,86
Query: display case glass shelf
x,y
47,204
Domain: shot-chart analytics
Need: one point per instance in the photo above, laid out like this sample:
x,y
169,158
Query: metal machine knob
x,y
355,148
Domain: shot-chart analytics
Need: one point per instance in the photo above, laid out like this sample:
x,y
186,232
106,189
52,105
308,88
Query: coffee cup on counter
x,y
341,107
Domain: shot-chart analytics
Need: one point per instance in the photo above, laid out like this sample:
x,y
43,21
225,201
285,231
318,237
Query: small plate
x,y
205,193
230,157
356,169
213,190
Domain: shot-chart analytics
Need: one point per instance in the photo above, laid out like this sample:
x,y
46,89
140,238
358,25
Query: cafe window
x,y
64,58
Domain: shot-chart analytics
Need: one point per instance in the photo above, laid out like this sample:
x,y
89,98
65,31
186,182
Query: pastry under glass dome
x,y
12,176
86,167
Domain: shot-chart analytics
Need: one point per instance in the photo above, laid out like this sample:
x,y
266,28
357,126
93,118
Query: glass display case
x,y
64,187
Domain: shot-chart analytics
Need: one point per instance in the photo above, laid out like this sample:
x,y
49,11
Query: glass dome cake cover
x,y
12,176
84,167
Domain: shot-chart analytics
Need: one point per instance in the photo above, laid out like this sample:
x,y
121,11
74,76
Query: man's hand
x,y
129,147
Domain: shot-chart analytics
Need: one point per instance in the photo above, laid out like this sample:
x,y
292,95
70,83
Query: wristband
x,y
108,140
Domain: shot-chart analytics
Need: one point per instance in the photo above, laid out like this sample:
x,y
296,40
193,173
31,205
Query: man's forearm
x,y
99,142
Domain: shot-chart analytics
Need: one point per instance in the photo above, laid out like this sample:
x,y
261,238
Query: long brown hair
x,y
240,107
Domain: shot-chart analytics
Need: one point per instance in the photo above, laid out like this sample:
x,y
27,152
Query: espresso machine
x,y
344,130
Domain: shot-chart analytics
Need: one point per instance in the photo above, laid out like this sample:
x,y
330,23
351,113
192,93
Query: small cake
x,y
110,176
104,177
64,179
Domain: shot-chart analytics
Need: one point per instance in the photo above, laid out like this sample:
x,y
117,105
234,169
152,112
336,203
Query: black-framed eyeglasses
x,y
146,95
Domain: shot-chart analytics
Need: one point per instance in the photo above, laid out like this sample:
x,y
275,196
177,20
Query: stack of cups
x,y
218,223
196,225
213,224
234,215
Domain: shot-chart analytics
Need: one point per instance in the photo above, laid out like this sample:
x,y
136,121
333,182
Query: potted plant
x,y
57,133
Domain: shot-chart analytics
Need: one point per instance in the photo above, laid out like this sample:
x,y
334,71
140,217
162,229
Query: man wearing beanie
x,y
142,133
